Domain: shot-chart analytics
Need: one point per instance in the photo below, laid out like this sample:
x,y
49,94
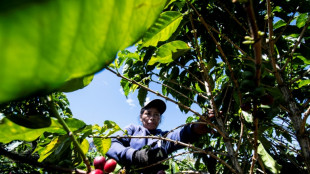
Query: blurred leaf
x,y
102,145
74,124
96,129
111,127
175,167
47,43
55,148
85,146
142,93
279,23
31,121
302,83
247,116
301,20
304,59
49,149
123,55
162,29
125,86
197,87
269,162
11,131
75,84
169,51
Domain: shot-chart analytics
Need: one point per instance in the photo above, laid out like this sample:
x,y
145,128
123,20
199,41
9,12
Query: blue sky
x,y
103,99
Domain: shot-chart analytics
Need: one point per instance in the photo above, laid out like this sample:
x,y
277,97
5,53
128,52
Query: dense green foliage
x,y
248,59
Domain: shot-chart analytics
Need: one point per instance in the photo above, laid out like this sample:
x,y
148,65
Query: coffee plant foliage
x,y
248,61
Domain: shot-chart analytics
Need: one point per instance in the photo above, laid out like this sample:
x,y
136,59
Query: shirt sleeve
x,y
185,135
120,149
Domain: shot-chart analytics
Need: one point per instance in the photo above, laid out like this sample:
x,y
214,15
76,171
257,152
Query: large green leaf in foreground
x,y
46,43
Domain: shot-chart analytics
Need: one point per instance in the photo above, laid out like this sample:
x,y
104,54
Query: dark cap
x,y
158,104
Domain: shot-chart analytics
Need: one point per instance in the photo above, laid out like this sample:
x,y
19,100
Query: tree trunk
x,y
296,118
229,147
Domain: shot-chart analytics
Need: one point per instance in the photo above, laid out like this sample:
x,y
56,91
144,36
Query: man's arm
x,y
120,149
201,129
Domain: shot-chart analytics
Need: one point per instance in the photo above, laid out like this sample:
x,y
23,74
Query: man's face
x,y
150,118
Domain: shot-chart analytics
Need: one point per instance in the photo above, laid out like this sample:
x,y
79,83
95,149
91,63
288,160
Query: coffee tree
x,y
246,60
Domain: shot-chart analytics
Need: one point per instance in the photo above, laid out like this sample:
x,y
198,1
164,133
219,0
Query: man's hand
x,y
202,128
145,157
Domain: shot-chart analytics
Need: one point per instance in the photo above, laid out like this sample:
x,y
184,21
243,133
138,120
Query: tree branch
x,y
304,120
205,71
287,24
300,36
199,150
233,16
34,162
301,76
157,93
258,61
196,78
55,113
223,56
292,51
173,101
231,42
173,89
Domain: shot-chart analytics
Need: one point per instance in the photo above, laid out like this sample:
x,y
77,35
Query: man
x,y
132,152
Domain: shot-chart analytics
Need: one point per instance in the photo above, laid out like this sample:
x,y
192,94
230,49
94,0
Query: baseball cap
x,y
156,103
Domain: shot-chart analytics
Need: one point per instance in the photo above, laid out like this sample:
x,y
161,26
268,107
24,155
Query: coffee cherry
x,y
99,162
96,171
110,165
246,106
266,100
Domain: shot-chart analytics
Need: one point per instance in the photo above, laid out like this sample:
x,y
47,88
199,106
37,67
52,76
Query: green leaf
x,y
197,87
74,124
125,86
268,161
279,23
301,20
175,167
169,51
142,93
302,83
11,131
85,146
31,121
49,149
169,2
247,116
304,59
55,148
96,129
102,145
47,43
75,84
163,28
111,127
123,55
277,9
